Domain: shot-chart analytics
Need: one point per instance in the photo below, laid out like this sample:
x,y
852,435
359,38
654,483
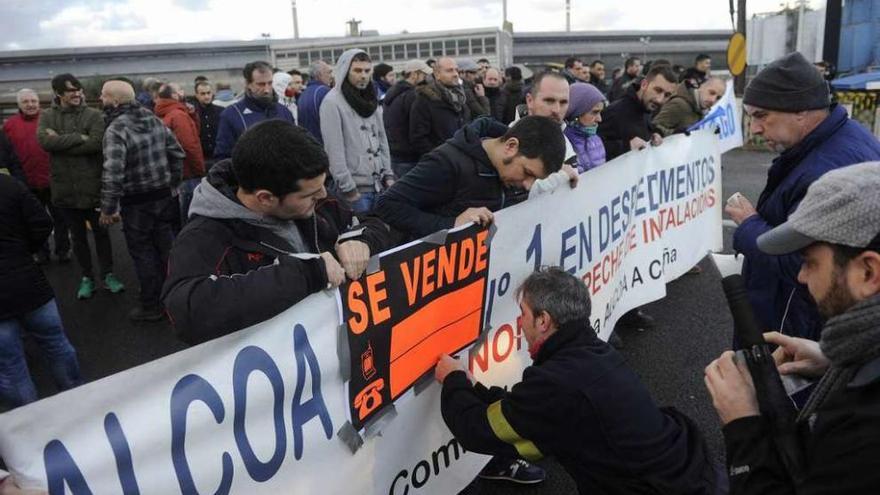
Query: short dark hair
x,y
381,70
274,155
702,57
59,83
631,61
205,83
536,81
539,137
570,61
258,65
294,72
483,60
596,62
560,294
513,73
199,79
662,70
361,57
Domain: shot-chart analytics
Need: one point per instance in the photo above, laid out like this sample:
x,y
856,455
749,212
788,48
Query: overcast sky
x,y
29,24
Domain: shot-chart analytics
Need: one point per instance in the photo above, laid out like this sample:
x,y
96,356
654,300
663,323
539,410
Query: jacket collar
x,y
790,158
566,334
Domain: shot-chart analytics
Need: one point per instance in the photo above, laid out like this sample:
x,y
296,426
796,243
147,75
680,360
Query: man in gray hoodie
x,y
354,134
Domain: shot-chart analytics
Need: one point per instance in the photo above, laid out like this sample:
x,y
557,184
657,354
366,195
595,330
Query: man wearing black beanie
x,y
789,106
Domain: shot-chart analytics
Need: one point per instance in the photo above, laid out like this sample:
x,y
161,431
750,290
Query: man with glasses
x,y
72,134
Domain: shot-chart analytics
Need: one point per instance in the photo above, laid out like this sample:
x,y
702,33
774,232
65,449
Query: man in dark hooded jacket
x,y
789,105
262,236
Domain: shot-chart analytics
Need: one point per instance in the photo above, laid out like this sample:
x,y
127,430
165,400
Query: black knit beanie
x,y
789,84
380,70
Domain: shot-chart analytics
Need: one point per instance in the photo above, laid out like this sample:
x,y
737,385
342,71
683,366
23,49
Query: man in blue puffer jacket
x,y
789,106
259,104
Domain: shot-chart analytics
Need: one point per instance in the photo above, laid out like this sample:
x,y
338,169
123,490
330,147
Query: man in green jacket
x,y
688,106
72,134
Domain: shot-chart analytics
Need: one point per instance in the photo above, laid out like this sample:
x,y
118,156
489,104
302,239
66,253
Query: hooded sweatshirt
x,y
357,147
280,81
183,122
215,198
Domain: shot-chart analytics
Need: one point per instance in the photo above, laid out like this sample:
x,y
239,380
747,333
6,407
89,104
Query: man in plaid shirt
x,y
142,168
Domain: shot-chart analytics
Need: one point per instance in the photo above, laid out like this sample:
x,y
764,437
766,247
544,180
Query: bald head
x,y
492,78
711,91
115,93
446,71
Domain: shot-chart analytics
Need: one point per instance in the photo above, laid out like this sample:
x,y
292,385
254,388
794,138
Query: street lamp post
x,y
267,37
645,41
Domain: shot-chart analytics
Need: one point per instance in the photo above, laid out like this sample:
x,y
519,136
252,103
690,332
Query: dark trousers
x,y
60,231
149,232
76,221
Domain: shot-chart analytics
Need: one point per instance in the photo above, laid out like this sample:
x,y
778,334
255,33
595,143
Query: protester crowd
x,y
234,208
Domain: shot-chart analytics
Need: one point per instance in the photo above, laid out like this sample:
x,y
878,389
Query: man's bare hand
x,y
656,139
335,273
739,208
482,216
479,90
108,220
730,385
637,143
572,173
354,256
8,487
446,365
796,356
51,132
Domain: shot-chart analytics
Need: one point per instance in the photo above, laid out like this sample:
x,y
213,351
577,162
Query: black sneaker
x,y
515,470
637,319
140,314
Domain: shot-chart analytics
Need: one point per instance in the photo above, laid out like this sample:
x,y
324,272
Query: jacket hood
x,y
690,96
164,106
469,138
401,88
280,81
224,95
340,72
215,198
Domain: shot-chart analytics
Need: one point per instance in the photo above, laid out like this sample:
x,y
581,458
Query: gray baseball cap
x,y
841,207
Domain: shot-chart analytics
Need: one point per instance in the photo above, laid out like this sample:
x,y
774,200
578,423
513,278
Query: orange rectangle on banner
x,y
443,326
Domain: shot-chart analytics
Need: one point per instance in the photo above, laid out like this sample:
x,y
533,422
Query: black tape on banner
x,y
438,237
350,437
343,352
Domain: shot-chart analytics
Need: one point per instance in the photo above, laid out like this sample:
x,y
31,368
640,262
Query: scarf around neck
x,y
363,101
453,95
849,340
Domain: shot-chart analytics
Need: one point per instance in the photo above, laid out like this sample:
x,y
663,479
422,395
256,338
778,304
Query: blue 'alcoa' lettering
x,y
62,470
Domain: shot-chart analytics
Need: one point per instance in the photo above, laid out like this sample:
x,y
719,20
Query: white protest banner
x,y
724,116
259,411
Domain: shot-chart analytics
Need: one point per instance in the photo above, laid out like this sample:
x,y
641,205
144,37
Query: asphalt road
x,y
693,327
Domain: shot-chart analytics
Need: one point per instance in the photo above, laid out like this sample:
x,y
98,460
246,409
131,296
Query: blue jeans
x,y
44,324
365,203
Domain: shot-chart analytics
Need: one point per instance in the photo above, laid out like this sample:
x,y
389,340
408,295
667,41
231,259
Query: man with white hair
x,y
21,130
142,165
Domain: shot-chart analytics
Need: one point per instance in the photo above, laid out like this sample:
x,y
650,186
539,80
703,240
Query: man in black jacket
x,y
837,229
209,120
27,303
440,108
398,102
626,123
484,168
578,402
632,68
262,236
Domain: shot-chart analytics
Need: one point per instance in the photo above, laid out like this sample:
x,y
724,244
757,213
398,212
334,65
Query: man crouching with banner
x,y
578,402
231,267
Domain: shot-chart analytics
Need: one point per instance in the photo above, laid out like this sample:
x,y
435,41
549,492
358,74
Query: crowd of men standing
x,y
218,195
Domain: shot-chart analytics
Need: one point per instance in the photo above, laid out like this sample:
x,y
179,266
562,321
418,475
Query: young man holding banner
x,y
263,235
578,402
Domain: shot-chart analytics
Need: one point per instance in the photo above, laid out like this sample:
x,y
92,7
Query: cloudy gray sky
x,y
29,24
